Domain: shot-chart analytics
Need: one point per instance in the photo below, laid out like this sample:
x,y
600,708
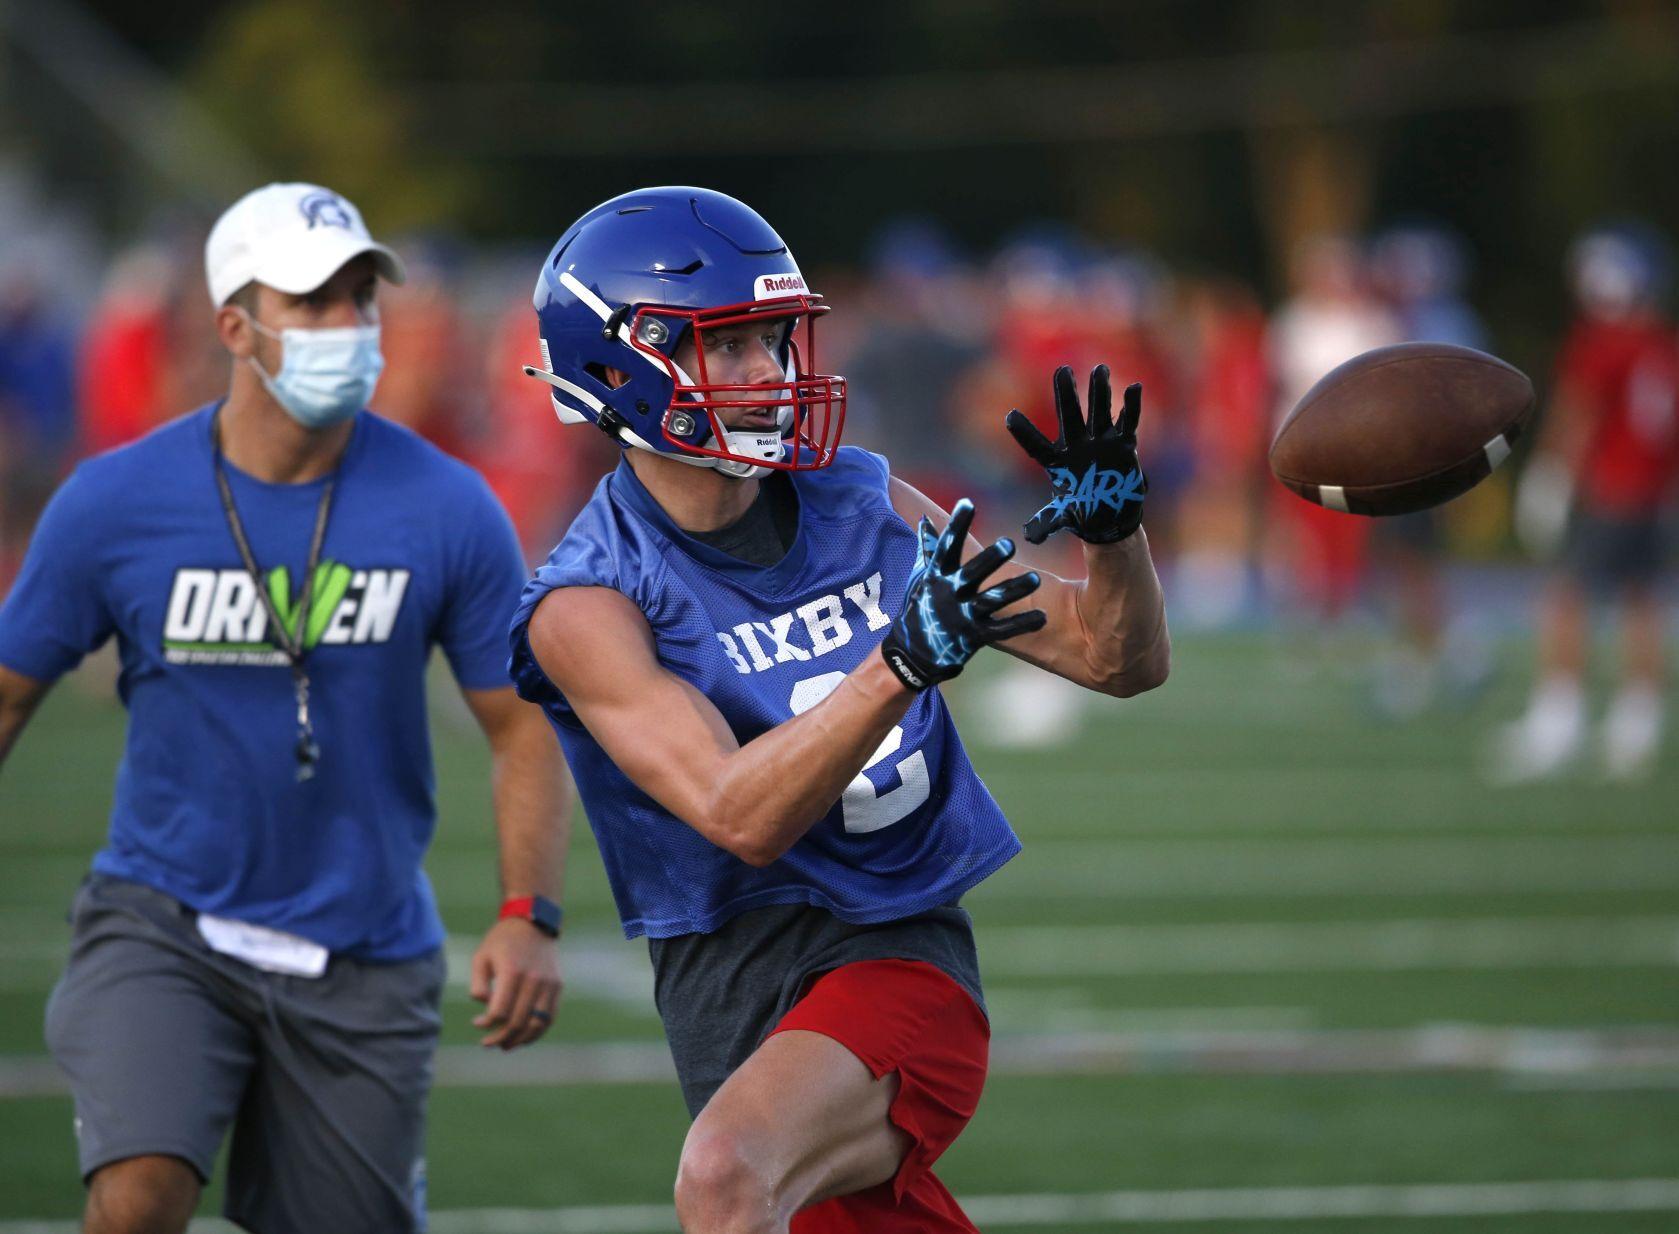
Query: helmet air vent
x,y
740,226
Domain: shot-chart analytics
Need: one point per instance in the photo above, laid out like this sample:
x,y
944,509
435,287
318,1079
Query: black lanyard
x,y
289,642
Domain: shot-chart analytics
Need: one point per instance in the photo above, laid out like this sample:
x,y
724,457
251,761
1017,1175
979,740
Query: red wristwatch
x,y
540,911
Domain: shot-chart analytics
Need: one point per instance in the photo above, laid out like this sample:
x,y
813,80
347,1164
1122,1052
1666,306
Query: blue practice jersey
x,y
208,807
915,829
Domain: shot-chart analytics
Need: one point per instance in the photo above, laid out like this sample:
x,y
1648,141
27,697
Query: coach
x,y
257,948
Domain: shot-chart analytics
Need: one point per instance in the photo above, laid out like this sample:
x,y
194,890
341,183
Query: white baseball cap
x,y
293,237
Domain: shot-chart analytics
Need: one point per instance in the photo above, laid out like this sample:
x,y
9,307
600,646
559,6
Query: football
x,y
1402,428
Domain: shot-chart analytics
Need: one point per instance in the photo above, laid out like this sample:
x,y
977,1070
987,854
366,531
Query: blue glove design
x,y
1099,484
946,618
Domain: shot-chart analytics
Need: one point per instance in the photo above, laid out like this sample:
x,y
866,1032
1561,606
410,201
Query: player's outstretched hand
x,y
946,616
1099,485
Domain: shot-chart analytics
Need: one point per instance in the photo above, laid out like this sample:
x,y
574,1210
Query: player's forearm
x,y
19,696
1122,618
12,720
773,789
533,810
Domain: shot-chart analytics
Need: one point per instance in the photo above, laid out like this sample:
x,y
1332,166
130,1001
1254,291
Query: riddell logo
x,y
772,285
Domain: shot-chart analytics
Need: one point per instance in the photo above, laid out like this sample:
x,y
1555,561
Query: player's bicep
x,y
596,647
1055,595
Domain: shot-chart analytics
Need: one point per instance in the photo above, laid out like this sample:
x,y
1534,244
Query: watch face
x,y
546,915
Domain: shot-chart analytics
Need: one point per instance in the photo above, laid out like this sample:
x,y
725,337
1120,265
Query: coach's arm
x,y
516,969
1105,631
19,696
755,800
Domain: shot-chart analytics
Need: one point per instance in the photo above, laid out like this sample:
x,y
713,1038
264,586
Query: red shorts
x,y
908,1017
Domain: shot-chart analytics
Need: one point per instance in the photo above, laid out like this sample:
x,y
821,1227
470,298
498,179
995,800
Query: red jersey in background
x,y
1624,377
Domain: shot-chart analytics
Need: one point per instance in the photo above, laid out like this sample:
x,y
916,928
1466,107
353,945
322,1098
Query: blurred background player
x,y
1318,557
922,331
1227,430
1420,271
1600,489
37,403
1061,301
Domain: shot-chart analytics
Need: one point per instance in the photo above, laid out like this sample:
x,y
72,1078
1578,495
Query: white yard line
x,y
1035,1007
603,966
1317,1203
1052,1208
1163,804
1467,944
600,966
597,965
1636,1057
1374,865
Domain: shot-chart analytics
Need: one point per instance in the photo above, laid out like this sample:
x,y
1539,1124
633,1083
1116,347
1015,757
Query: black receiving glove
x,y
946,617
1099,485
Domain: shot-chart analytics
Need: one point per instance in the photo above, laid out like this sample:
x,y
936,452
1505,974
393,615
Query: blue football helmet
x,y
625,286
1419,261
1619,267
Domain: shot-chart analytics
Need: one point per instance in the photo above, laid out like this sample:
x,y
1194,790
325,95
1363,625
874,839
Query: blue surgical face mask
x,y
325,376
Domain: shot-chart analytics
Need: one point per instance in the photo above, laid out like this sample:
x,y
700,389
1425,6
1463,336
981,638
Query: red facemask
x,y
810,406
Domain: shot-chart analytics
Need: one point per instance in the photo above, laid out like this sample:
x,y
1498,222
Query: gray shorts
x,y
1612,553
323,1081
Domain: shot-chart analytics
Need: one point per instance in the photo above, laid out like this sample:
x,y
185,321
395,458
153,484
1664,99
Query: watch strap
x,y
540,911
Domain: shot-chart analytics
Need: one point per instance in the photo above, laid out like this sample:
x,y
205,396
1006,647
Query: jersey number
x,y
864,807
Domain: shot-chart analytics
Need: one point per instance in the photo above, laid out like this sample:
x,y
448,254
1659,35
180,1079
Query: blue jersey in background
x,y
915,830
208,807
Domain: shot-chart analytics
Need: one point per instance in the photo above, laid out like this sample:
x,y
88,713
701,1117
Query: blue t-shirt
x,y
915,829
208,806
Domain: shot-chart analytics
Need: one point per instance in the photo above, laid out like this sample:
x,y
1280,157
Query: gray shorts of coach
x,y
323,1082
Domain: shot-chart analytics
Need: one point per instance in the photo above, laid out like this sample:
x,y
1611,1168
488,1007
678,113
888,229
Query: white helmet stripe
x,y
595,303
600,309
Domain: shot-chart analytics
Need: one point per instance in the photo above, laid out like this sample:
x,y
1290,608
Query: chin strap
x,y
768,446
772,446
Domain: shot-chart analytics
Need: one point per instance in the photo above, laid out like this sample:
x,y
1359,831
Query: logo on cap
x,y
325,210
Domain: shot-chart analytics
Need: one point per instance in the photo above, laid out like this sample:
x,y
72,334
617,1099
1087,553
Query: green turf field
x,y
1257,941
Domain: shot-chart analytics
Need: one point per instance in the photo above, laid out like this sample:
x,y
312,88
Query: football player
x,y
1600,489
1420,270
739,643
